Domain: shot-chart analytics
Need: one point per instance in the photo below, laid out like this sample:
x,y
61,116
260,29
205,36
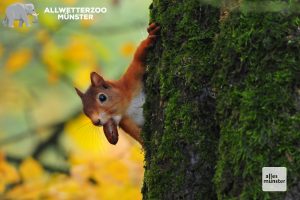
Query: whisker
x,y
95,142
100,140
85,137
93,136
85,124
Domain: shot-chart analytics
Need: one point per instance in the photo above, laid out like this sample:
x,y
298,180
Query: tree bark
x,y
223,101
257,80
180,135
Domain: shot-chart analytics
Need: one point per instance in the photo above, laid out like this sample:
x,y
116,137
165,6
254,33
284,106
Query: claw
x,y
151,26
155,30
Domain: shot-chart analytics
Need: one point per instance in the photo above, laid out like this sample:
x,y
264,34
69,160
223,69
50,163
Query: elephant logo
x,y
19,12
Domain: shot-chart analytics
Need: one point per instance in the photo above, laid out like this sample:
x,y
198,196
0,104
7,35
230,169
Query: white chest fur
x,y
135,109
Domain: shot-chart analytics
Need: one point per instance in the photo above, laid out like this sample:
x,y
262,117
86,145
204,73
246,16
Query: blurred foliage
x,y
48,149
17,60
92,176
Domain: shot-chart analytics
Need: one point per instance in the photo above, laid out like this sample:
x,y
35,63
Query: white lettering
x,y
47,10
75,13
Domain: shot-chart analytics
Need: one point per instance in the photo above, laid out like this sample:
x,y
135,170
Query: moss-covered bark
x,y
257,83
201,147
180,134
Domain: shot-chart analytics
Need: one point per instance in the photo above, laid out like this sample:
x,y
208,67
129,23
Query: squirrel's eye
x,y
102,98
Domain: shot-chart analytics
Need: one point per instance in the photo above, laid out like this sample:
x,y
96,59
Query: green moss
x,y
257,77
251,61
180,134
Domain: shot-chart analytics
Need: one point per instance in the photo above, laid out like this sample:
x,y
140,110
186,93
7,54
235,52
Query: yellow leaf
x,y
127,49
18,60
52,56
27,190
131,192
43,36
79,51
8,173
30,170
75,58
118,171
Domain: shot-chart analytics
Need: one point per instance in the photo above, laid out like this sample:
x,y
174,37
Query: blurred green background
x,y
48,148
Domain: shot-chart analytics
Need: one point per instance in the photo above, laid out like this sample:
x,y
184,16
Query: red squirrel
x,y
120,103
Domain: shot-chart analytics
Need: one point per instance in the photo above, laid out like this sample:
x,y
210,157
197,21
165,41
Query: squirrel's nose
x,y
97,123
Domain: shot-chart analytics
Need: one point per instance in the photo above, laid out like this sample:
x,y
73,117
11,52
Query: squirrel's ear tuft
x,y
80,94
96,79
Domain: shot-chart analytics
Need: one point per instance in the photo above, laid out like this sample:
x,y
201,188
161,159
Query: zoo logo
x,y
19,12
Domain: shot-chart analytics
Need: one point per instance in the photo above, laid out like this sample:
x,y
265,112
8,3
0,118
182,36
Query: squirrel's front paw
x,y
153,30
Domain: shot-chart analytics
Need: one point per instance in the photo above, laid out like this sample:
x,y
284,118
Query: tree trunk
x,y
257,76
181,135
223,101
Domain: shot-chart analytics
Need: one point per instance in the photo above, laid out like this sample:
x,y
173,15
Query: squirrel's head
x,y
102,101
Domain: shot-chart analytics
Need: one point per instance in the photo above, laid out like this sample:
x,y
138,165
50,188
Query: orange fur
x,y
119,94
131,128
